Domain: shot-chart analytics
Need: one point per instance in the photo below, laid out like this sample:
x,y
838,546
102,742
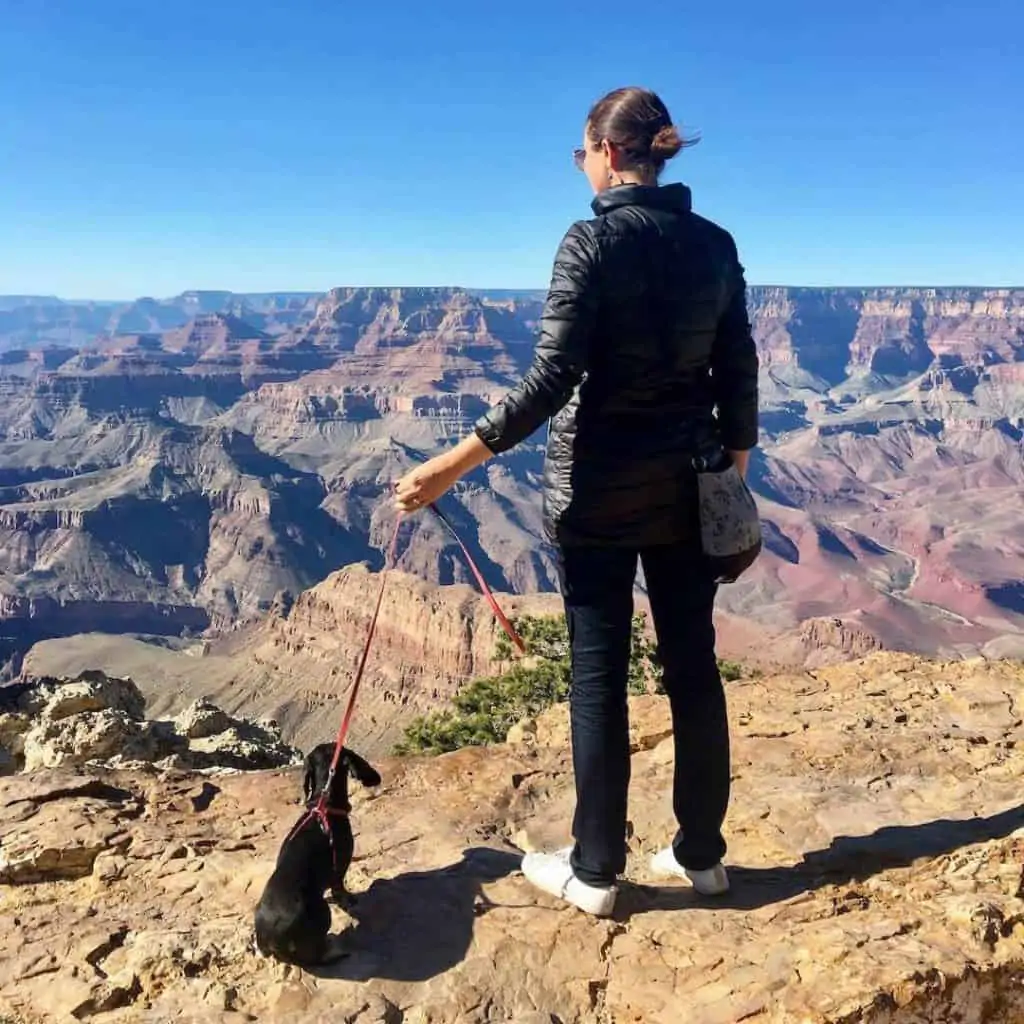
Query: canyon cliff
x,y
188,464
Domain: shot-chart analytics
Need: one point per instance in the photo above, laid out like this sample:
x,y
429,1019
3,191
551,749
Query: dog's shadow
x,y
847,860
418,925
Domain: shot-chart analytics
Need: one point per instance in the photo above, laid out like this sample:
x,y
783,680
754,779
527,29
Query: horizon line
x,y
309,292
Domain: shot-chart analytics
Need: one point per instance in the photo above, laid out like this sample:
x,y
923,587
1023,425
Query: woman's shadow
x,y
420,924
846,860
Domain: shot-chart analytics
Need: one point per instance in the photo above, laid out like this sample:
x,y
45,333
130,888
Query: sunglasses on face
x,y
579,154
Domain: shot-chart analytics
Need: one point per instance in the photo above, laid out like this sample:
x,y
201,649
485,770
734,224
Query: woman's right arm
x,y
734,366
559,362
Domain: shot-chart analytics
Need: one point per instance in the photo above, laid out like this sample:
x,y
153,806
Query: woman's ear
x,y
613,155
308,781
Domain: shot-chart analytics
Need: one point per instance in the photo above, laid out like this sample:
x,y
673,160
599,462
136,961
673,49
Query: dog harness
x,y
323,813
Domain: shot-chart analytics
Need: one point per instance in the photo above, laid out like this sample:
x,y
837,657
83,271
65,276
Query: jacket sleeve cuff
x,y
490,433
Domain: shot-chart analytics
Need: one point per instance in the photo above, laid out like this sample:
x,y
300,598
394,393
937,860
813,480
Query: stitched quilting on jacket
x,y
645,358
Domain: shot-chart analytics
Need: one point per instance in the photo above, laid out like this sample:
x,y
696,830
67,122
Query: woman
x,y
645,360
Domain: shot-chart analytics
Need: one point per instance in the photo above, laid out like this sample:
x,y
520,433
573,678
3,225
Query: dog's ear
x,y
316,773
360,769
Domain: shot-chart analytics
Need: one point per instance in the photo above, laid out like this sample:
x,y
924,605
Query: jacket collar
x,y
675,197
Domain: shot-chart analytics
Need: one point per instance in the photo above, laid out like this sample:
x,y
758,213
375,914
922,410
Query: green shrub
x,y
485,709
730,670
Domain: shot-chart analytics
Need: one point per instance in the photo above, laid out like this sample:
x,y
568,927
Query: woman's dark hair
x,y
639,123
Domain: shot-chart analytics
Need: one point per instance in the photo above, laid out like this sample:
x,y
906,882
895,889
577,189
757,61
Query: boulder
x,y
95,719
242,746
86,736
89,691
13,726
201,719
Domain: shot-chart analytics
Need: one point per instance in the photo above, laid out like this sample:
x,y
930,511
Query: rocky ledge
x,y
876,851
98,720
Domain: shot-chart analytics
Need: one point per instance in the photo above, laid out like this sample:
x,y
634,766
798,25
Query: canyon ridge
x,y
191,465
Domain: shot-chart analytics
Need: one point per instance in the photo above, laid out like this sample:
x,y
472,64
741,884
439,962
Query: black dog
x,y
292,917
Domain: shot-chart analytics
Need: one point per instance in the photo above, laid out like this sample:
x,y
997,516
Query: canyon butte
x,y
193,465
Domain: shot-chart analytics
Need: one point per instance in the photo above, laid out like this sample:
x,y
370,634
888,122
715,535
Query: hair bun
x,y
666,143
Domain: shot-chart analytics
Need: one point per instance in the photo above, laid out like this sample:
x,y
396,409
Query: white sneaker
x,y
552,873
711,882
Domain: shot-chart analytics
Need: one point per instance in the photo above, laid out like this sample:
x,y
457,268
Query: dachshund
x,y
292,917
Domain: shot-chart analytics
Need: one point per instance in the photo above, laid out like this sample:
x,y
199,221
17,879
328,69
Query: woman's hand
x,y
425,484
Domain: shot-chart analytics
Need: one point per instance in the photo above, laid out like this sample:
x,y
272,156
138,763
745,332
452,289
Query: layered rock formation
x,y
34,321
876,848
296,667
836,333
260,435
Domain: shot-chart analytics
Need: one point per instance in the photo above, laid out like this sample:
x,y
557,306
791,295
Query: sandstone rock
x,y
649,723
73,721
878,877
109,994
68,722
13,726
88,736
108,867
290,997
241,746
57,825
523,732
201,719
89,691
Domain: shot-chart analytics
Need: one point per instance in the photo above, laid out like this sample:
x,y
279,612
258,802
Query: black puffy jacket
x,y
645,358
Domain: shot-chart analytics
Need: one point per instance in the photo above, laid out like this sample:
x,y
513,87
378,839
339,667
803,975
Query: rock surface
x,y
48,722
876,852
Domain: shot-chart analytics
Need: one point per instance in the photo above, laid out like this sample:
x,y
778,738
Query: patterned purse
x,y
730,528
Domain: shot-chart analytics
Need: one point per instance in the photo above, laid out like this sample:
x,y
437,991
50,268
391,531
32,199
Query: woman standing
x,y
645,360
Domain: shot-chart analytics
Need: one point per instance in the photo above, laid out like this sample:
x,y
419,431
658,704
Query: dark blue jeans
x,y
597,588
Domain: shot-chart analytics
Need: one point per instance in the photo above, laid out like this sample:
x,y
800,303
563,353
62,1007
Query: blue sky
x,y
148,148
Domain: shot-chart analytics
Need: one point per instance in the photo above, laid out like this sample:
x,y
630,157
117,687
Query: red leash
x,y
320,810
498,613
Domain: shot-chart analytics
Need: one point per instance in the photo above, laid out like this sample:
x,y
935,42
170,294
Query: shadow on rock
x,y
847,859
420,924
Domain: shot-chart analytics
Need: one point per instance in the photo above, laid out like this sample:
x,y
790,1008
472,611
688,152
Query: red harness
x,y
321,810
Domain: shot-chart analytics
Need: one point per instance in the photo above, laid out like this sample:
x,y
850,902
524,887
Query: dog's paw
x,y
343,898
